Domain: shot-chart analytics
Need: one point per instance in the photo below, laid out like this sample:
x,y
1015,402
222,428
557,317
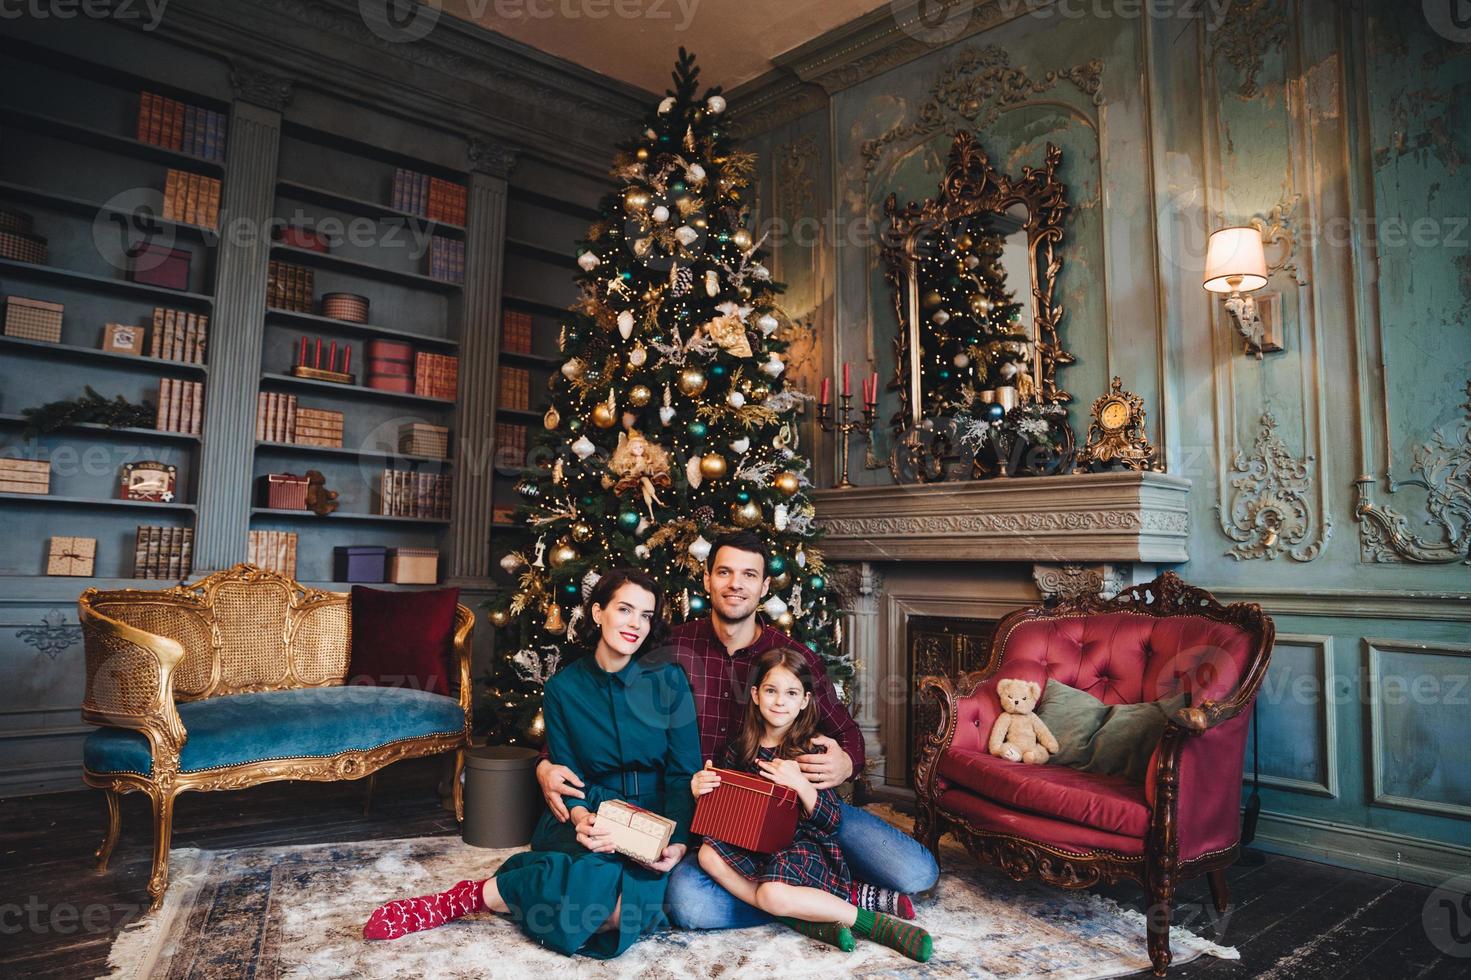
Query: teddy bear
x,y
1019,735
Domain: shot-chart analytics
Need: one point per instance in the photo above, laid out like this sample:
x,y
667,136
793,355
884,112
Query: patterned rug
x,y
299,911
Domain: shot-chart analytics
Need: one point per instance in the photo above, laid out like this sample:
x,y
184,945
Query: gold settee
x,y
243,632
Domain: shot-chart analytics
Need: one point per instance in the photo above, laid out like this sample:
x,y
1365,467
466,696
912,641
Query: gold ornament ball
x,y
692,381
639,396
932,299
499,618
785,621
642,153
745,292
603,416
742,238
562,553
780,582
537,730
712,466
582,532
747,514
787,482
759,393
964,243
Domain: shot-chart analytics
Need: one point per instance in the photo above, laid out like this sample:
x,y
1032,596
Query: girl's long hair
x,y
798,739
602,593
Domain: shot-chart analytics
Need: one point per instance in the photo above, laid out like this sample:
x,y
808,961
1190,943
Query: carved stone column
x,y
1071,580
862,585
468,545
237,323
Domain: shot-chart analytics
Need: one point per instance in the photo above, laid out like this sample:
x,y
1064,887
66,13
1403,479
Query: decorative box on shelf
x,y
390,366
148,480
71,556
351,307
502,513
641,834
156,265
25,476
33,319
19,243
16,222
123,338
360,563
413,566
285,491
747,811
303,235
423,439
317,427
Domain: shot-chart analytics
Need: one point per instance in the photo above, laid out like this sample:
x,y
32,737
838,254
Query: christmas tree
x,y
972,340
668,422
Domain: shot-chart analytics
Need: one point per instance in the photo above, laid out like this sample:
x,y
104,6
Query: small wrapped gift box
x,y
413,566
33,319
71,556
25,475
284,491
748,811
156,265
638,833
360,563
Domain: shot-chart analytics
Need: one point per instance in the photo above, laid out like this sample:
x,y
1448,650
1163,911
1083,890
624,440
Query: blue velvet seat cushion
x,y
310,722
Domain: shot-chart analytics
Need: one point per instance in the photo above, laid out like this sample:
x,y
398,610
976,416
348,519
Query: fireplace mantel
x,y
1124,517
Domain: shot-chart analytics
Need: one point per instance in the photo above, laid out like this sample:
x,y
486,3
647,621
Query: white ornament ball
x,y
760,271
940,318
971,261
649,132
768,324
696,173
740,445
692,469
572,369
511,563
666,414
715,104
583,447
641,550
666,105
686,235
774,606
625,324
773,367
780,517
661,214
699,548
735,399
588,261
638,356
961,360
1008,369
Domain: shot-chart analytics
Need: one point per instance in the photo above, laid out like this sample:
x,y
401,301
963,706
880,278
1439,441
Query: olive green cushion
x,y
1111,739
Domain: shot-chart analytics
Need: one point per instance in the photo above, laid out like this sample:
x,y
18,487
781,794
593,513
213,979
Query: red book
x,y
748,811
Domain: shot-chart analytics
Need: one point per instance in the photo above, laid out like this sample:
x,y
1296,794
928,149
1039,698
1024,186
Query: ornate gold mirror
x,y
973,273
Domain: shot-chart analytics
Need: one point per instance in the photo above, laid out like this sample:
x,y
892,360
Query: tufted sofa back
x,y
243,629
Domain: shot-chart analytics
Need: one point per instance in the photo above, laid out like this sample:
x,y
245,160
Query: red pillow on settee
x,y
402,639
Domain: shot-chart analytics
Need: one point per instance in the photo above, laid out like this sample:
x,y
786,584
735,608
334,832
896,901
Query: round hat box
x,y
502,798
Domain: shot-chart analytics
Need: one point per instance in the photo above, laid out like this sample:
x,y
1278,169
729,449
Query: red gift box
x,y
159,266
748,811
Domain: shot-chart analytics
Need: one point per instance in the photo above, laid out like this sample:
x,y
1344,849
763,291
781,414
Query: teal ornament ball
x,y
993,412
944,374
744,496
570,590
628,520
777,565
677,188
817,582
717,370
588,501
697,429
574,425
697,604
812,645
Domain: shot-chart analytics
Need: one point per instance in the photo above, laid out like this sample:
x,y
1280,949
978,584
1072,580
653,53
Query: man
x,y
716,653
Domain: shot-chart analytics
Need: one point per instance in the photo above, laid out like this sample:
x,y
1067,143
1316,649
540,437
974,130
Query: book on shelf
x,y
514,389
436,375
410,493
25,475
429,197
317,427
174,125
274,551
180,406
191,198
275,417
290,287
516,331
510,442
163,552
446,259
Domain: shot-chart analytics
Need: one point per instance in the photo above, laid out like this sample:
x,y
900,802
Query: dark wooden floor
x,y
1290,919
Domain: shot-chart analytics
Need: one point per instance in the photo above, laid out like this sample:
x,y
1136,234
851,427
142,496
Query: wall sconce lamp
x,y
1235,263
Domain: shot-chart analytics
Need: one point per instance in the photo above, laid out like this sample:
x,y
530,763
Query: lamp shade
x,y
1234,260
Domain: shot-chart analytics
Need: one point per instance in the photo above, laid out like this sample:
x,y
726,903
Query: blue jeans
x,y
877,853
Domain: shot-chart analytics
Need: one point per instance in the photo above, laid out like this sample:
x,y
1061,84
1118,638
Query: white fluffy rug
x,y
298,912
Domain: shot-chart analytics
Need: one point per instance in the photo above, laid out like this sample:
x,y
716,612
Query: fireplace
x,y
943,646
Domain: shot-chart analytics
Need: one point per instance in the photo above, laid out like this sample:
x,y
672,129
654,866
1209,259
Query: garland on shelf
x,y
116,412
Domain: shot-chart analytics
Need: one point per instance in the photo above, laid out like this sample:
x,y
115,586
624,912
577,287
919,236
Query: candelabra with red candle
x,y
340,373
844,424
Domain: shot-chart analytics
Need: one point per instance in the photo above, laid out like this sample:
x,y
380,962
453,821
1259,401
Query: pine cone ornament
x,y
704,516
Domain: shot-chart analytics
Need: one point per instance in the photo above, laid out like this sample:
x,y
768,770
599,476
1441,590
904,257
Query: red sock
x,y
408,915
877,899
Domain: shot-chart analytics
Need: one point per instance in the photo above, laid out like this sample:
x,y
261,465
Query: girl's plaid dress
x,y
813,859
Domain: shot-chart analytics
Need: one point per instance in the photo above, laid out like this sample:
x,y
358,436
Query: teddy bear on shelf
x,y
1019,735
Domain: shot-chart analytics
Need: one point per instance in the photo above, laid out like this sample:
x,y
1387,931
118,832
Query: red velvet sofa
x,y
1073,828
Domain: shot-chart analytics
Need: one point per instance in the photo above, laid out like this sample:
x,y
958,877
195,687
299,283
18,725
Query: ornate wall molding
x,y
1270,513
1252,28
53,637
262,88
491,156
772,100
796,181
1443,465
1071,581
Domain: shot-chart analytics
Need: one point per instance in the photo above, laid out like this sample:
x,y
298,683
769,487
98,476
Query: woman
x,y
626,726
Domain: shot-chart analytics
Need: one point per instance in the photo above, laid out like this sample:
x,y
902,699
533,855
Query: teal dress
x,y
629,736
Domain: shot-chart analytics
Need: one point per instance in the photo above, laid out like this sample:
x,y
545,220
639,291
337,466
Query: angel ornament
x,y
640,462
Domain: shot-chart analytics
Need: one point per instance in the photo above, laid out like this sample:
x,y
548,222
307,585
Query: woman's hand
x,y
596,839
784,772
673,854
705,780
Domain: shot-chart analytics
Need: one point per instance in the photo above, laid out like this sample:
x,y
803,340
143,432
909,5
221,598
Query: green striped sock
x,y
906,937
829,932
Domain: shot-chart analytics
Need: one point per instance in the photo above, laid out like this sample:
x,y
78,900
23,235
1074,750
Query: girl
x,y
807,884
626,726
